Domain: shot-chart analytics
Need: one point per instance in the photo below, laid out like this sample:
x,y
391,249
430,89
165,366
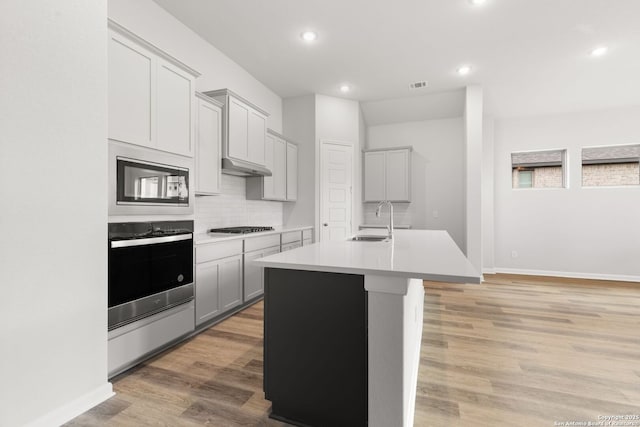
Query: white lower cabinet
x,y
290,246
218,279
230,282
207,286
254,274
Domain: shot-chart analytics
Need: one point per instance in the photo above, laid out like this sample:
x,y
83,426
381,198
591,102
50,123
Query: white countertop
x,y
419,254
203,238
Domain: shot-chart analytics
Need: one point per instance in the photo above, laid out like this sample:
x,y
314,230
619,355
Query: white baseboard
x,y
74,408
594,276
488,271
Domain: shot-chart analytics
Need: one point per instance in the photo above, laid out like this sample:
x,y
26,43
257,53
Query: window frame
x,y
564,165
589,187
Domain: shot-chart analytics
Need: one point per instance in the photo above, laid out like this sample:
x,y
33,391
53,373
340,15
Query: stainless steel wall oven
x,y
150,268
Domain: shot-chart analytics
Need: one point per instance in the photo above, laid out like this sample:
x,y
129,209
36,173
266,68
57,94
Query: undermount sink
x,y
370,238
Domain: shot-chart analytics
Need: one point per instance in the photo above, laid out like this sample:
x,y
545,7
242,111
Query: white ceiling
x,y
530,56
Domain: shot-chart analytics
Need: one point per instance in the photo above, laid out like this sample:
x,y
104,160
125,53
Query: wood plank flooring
x,y
515,350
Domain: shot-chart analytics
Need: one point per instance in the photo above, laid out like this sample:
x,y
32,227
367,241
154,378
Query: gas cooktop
x,y
240,230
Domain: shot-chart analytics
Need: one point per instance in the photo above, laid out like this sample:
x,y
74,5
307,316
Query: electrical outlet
x,y
435,214
514,254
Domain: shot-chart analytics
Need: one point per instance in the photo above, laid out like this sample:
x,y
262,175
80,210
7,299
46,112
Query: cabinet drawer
x,y
291,236
307,234
255,243
290,246
211,251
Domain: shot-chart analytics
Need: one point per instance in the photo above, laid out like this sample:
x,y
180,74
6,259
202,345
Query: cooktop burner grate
x,y
240,230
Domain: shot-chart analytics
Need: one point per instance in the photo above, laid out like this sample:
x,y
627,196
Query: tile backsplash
x,y
402,214
231,208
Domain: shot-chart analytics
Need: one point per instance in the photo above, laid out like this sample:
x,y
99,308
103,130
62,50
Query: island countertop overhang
x,y
419,254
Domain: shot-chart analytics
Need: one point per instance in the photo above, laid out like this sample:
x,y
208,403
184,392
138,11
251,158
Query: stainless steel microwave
x,y
144,181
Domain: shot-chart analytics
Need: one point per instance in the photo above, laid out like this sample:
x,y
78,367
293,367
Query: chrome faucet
x,y
379,208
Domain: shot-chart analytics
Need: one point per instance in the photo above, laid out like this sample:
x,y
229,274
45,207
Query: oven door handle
x,y
150,241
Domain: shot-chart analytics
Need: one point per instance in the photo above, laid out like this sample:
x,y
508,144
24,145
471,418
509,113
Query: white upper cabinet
x,y
374,176
245,127
174,109
130,69
268,181
238,130
151,95
292,172
281,158
255,138
280,165
208,145
387,175
398,176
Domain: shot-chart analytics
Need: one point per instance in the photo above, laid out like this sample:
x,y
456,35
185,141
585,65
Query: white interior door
x,y
336,190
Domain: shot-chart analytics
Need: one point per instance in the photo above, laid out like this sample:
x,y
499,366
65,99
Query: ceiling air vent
x,y
418,85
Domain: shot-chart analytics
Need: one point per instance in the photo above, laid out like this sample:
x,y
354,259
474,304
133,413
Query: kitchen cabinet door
x,y
130,91
150,95
279,169
397,176
174,109
257,128
245,127
254,274
238,129
207,284
292,172
374,176
230,282
268,191
208,144
272,187
387,175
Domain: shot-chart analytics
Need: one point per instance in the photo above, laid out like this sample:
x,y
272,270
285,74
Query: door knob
x,y
326,224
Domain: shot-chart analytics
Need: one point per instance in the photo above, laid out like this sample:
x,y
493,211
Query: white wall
x,y
437,174
300,125
473,189
149,21
488,233
574,231
53,252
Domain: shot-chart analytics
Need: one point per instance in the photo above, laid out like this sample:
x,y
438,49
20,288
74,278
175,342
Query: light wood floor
x,y
514,351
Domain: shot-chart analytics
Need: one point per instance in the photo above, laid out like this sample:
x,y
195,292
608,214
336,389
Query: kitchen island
x,y
343,326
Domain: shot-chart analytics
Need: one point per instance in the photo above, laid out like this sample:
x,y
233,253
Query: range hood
x,y
241,168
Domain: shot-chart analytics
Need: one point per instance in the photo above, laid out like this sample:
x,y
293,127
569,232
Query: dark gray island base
x,y
315,347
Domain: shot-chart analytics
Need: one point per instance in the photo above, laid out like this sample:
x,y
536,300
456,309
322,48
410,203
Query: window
x,y
525,178
538,169
611,166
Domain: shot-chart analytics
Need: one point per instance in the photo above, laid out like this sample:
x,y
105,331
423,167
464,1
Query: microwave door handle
x,y
150,241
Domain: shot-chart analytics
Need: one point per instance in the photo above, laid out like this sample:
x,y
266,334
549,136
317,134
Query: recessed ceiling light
x,y
309,36
599,51
477,2
345,88
463,70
